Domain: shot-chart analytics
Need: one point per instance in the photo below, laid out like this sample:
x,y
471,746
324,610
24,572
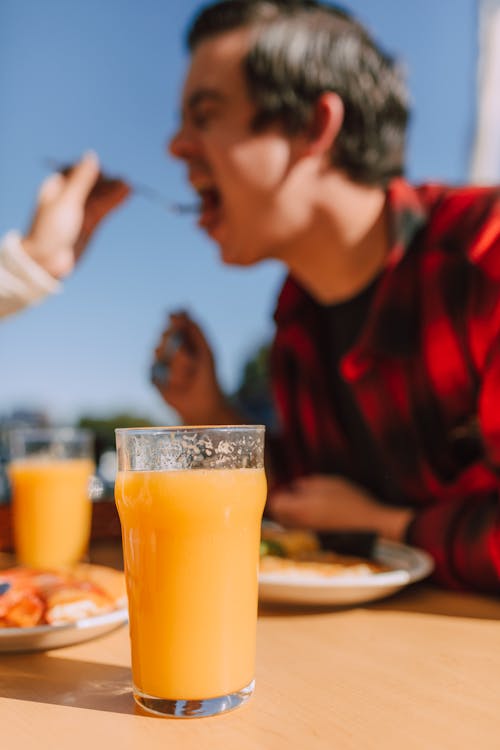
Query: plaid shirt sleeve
x,y
463,533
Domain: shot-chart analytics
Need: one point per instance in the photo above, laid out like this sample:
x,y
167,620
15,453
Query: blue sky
x,y
106,74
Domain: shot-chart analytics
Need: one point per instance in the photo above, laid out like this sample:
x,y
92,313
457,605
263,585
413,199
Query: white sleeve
x,y
22,281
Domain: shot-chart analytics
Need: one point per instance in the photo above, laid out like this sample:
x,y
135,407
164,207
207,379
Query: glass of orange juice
x,y
50,471
190,501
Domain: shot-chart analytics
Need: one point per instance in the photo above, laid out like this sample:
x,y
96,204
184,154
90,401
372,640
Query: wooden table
x,y
419,671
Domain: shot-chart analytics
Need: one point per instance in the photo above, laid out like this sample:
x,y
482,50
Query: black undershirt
x,y
343,324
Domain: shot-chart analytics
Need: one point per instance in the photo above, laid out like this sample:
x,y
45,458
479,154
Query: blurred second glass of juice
x,y
50,471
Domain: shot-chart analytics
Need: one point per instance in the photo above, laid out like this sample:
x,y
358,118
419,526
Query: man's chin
x,y
232,252
232,258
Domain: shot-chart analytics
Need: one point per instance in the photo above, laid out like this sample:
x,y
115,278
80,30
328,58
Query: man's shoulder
x,y
465,220
468,204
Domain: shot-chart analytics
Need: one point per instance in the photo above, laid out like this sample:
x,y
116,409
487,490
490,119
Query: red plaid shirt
x,y
424,374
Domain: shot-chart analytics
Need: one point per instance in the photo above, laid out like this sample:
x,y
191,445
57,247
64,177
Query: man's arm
x,y
332,503
463,537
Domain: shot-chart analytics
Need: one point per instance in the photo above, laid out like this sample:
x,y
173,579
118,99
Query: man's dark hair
x,y
304,48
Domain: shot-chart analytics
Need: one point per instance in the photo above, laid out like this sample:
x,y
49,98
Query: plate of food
x,y
40,610
295,569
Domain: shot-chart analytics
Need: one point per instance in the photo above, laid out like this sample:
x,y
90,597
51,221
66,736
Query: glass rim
x,y
191,428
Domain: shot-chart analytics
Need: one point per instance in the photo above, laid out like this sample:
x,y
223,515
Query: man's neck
x,y
346,244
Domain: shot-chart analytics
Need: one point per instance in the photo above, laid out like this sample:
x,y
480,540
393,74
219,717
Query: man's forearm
x,y
393,523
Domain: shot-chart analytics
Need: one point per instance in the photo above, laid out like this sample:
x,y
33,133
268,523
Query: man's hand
x,y
186,379
70,206
328,503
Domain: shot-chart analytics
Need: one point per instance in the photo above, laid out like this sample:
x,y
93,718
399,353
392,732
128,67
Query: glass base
x,y
193,709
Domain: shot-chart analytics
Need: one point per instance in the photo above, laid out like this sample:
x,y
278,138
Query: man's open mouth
x,y
210,205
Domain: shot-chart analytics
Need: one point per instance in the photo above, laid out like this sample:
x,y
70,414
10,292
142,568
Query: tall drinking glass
x,y
190,501
50,471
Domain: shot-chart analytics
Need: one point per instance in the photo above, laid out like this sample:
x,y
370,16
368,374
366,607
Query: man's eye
x,y
202,119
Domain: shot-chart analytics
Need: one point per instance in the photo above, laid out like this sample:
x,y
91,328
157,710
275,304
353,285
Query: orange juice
x,y
191,548
51,510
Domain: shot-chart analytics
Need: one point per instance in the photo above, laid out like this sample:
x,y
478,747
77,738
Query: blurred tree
x,y
104,429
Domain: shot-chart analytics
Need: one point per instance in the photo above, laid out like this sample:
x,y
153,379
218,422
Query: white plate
x,y
407,564
43,637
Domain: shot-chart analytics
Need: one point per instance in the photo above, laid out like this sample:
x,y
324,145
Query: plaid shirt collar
x,y
407,215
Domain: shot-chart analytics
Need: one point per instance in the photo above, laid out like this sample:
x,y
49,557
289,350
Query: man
x,y
386,359
70,206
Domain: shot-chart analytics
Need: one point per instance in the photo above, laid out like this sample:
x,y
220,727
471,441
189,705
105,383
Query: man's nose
x,y
182,145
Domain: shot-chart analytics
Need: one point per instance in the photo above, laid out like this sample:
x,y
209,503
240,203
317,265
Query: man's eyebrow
x,y
200,95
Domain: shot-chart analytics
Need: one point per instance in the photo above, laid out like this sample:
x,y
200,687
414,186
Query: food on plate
x,y
299,552
38,597
279,542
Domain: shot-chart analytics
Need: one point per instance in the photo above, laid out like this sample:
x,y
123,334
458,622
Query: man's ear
x,y
326,122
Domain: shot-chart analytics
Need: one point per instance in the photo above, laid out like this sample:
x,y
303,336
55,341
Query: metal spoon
x,y
150,193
